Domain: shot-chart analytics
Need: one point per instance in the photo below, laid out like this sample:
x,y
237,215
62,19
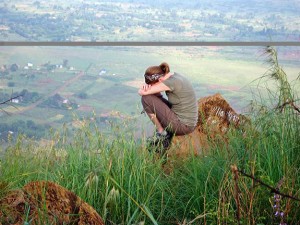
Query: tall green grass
x,y
128,185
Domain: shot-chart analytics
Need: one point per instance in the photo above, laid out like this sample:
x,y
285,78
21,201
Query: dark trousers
x,y
161,107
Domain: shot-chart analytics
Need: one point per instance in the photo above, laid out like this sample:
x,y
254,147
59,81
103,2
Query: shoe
x,y
160,143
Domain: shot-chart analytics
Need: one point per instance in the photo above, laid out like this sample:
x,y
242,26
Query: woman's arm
x,y
153,89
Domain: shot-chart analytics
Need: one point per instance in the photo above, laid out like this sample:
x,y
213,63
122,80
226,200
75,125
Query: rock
x,y
215,117
45,201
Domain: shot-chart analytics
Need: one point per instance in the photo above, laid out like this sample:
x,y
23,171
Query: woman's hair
x,y
153,73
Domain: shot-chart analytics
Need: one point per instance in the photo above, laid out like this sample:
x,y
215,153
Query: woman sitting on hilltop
x,y
176,115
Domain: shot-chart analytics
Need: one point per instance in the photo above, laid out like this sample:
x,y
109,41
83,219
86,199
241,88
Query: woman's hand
x,y
144,89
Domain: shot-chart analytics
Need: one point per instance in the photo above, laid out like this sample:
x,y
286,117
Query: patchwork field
x,y
109,77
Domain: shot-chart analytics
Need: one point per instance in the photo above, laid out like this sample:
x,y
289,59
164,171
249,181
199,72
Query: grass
x,y
127,185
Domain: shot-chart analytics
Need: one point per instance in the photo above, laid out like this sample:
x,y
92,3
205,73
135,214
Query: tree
x,y
30,124
14,67
37,4
82,95
51,67
65,63
11,84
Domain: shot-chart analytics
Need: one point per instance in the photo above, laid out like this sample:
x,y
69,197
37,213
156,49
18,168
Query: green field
x,y
227,70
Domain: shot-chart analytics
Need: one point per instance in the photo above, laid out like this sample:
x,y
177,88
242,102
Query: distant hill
x,y
262,6
133,20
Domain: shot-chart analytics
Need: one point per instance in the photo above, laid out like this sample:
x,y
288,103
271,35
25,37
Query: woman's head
x,y
153,73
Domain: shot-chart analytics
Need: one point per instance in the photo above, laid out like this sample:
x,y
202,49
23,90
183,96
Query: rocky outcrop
x,y
215,118
44,202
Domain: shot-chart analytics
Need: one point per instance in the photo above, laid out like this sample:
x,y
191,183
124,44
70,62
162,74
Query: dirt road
x,y
57,90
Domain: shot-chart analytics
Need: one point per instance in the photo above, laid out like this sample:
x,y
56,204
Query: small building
x,y
3,68
102,72
4,28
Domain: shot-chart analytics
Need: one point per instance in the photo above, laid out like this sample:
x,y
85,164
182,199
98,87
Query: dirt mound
x,y
43,202
215,117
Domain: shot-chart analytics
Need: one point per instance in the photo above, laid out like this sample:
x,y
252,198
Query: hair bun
x,y
165,67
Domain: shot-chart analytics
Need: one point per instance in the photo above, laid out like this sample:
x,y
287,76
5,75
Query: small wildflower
x,y
277,212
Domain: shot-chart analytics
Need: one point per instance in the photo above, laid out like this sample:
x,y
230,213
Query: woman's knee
x,y
147,100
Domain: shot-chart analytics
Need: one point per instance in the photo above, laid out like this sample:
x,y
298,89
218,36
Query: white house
x,y
102,72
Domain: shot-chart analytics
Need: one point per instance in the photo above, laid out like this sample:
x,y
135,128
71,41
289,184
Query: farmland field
x,y
69,82
226,70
